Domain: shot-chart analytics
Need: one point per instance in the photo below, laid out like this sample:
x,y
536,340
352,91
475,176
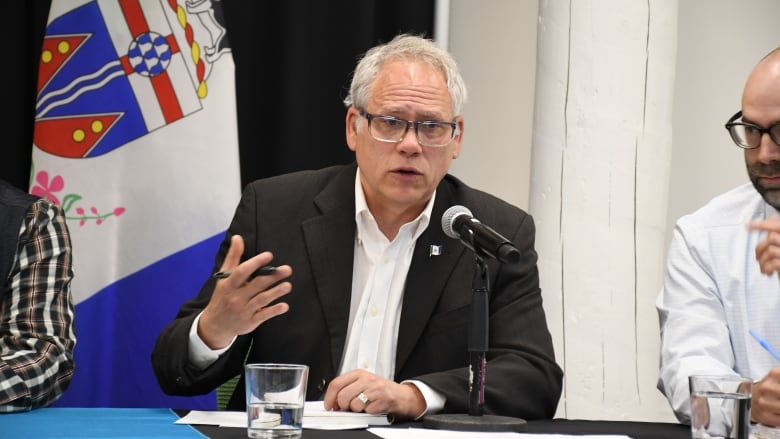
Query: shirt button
x,y
365,364
387,259
374,312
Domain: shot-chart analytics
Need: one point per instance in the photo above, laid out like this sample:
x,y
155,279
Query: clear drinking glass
x,y
720,406
275,395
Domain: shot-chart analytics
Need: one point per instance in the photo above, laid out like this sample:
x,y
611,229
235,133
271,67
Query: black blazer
x,y
307,219
14,204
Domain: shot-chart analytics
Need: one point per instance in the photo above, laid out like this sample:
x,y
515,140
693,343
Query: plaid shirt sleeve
x,y
36,314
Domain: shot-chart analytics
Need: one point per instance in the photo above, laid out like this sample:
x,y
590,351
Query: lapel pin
x,y
435,250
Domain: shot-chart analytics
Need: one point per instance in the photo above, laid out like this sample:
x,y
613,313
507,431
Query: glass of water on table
x,y
275,395
720,406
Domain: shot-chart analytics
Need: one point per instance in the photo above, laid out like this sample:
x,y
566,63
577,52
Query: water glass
x,y
720,406
275,395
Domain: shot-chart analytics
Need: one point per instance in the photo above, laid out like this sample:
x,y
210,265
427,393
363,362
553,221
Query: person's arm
x,y
36,314
765,407
694,333
434,401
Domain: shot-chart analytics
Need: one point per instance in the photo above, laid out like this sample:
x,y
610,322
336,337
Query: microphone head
x,y
448,220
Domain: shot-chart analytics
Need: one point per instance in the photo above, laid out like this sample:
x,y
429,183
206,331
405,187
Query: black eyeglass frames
x,y
748,135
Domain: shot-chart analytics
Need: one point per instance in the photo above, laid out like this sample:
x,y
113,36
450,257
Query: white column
x,y
599,179
441,23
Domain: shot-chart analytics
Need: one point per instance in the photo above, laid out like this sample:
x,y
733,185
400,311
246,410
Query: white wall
x,y
494,42
719,41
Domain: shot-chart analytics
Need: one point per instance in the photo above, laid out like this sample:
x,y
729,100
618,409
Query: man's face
x,y
761,106
402,176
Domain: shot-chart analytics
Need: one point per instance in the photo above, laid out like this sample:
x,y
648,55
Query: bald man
x,y
721,276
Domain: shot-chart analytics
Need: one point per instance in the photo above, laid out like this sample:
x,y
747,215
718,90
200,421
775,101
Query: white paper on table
x,y
424,433
221,418
315,417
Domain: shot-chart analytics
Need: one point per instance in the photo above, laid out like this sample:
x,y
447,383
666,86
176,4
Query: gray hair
x,y
405,47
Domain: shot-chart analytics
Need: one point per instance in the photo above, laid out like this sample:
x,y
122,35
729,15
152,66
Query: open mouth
x,y
406,171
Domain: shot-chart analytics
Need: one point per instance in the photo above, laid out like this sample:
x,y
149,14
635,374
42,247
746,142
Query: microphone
x,y
458,223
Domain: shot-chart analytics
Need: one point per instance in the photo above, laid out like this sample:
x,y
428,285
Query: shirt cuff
x,y
202,356
434,401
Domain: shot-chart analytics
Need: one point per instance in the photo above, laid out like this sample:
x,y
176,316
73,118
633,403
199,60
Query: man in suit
x,y
372,296
36,309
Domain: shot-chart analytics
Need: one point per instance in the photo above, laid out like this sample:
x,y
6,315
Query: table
x,y
159,423
635,430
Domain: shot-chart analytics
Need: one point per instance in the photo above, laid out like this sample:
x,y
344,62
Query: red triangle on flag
x,y
72,136
56,51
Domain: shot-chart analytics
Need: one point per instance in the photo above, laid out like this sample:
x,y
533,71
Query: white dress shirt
x,y
378,277
379,272
713,293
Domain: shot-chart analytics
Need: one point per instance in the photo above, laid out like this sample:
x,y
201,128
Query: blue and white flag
x,y
135,136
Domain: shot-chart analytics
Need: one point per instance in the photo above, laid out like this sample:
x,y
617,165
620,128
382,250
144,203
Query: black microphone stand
x,y
478,347
478,338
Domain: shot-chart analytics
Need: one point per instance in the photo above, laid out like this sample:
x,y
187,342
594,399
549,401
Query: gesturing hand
x,y
768,250
240,304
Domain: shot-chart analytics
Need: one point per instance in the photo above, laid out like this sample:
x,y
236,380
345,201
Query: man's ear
x,y
351,126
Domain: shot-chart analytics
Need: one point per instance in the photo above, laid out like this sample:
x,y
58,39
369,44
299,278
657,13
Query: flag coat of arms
x,y
135,136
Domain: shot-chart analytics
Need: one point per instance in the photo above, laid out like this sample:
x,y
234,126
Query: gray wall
x,y
494,42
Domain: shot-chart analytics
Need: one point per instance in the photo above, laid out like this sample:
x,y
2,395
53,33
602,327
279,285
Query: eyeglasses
x,y
392,129
748,135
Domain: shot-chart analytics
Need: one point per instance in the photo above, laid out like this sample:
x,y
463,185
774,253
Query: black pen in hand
x,y
262,271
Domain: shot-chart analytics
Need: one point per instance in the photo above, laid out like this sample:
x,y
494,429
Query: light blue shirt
x,y
713,293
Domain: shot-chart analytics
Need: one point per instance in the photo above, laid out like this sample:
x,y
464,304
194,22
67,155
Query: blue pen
x,y
765,344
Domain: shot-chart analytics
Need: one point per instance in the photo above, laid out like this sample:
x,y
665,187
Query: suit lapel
x,y
330,242
427,277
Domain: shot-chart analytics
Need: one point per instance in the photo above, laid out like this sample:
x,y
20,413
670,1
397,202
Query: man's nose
x,y
768,150
410,144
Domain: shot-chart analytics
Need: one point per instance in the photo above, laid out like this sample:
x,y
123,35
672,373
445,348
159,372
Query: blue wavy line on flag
x,y
117,327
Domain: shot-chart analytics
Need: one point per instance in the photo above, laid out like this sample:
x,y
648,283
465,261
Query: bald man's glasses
x,y
392,129
748,135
